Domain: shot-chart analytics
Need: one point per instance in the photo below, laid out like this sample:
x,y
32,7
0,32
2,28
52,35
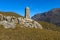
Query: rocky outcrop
x,y
8,24
12,21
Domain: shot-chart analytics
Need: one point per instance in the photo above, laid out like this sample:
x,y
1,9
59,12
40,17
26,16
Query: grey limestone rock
x,y
11,21
8,24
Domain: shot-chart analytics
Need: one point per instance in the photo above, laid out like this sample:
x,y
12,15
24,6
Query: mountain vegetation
x,y
28,34
10,14
49,26
49,31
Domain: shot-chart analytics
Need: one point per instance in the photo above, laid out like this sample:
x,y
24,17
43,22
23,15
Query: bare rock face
x,y
8,24
9,18
37,25
31,24
11,22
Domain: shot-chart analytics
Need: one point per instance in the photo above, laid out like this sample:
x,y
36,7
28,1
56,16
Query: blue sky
x,y
36,6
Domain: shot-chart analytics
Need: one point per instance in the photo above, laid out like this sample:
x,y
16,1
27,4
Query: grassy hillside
x,y
10,14
49,26
53,32
28,34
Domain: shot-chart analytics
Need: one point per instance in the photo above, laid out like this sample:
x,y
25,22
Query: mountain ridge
x,y
52,16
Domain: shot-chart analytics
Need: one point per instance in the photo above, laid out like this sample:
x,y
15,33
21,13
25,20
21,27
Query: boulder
x,y
8,24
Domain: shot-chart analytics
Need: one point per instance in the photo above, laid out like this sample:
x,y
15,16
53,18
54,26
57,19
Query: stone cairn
x,y
12,21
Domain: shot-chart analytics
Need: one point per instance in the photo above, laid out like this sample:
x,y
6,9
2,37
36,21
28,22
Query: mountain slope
x,y
28,34
19,33
52,16
49,26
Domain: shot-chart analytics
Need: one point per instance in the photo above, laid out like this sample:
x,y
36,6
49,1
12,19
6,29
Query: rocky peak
x,y
56,9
